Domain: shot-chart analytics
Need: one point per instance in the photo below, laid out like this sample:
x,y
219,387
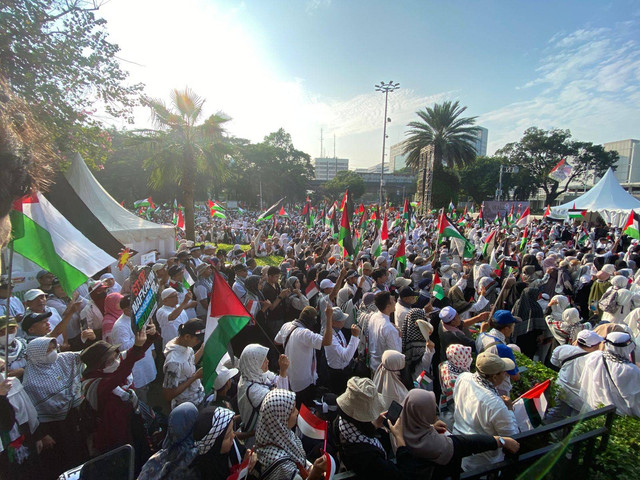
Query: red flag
x,y
151,203
385,231
180,223
547,212
310,425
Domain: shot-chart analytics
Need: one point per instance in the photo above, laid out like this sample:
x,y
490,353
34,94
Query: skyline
x,y
307,66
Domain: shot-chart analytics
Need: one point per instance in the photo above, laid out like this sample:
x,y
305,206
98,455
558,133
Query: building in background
x,y
628,171
327,168
480,144
398,159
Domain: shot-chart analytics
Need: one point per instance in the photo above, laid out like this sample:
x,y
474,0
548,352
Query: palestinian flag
x,y
406,213
226,317
311,426
306,212
632,227
525,237
437,289
218,214
241,210
510,217
383,234
364,221
584,236
344,235
147,202
446,229
480,219
489,244
496,220
215,206
273,209
547,212
577,213
401,257
452,207
240,471
41,234
187,281
360,209
282,213
423,381
531,407
524,219
357,245
493,263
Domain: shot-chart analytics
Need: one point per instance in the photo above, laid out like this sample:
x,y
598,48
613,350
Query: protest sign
x,y
144,298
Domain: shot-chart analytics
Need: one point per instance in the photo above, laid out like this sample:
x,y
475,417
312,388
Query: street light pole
x,y
386,88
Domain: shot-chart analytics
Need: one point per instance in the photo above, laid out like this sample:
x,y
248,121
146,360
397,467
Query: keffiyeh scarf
x,y
483,382
222,417
350,434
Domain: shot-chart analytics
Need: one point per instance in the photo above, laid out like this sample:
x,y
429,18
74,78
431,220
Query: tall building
x,y
327,168
377,168
480,144
397,159
628,171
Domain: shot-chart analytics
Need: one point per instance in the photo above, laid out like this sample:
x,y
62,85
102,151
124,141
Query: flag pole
x,y
8,311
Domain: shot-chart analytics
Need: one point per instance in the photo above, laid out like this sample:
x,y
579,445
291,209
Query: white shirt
x,y
144,370
15,306
383,336
339,353
481,411
621,388
179,366
367,285
301,346
169,327
239,289
201,293
400,314
485,339
570,373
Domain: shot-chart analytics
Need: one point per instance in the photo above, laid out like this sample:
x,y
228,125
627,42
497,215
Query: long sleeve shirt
x,y
340,353
383,336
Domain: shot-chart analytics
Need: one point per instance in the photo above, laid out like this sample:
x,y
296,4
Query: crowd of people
x,y
406,352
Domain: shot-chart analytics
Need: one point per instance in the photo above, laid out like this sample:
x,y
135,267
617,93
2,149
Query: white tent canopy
x,y
132,231
607,197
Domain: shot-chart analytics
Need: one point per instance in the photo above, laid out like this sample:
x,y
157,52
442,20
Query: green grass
x,y
273,260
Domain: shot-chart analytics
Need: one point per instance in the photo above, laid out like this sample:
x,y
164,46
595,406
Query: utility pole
x,y
386,88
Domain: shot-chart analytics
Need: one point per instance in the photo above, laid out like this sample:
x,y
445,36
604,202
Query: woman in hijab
x,y
529,259
424,436
255,383
458,361
556,306
218,455
15,349
532,326
617,301
253,285
112,312
177,450
295,302
550,286
110,282
387,378
280,452
566,331
52,381
418,351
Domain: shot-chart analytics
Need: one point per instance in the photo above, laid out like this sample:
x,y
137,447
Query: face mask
x,y
51,357
3,339
113,367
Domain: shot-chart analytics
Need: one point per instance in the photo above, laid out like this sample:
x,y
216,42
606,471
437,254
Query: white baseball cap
x,y
326,283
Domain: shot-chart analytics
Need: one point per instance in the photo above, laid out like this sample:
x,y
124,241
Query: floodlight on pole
x,y
386,88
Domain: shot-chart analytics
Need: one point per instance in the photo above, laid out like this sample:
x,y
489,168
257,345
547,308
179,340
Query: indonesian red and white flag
x,y
310,425
311,290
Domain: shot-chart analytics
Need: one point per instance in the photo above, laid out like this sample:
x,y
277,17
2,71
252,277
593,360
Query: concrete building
x,y
376,169
480,144
397,159
327,168
628,171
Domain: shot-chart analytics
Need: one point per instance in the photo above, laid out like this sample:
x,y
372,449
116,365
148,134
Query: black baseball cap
x,y
195,326
174,270
407,292
31,319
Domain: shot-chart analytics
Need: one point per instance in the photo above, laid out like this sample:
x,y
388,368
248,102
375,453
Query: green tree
x,y
480,179
56,55
451,135
538,151
343,180
180,147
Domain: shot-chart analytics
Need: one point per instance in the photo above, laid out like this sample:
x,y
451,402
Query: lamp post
x,y
386,88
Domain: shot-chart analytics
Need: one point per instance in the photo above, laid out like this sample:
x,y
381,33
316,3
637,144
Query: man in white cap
x,y
221,386
172,314
570,360
480,409
451,329
610,377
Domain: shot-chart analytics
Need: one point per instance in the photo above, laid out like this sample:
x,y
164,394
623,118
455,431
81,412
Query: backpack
x,y
608,301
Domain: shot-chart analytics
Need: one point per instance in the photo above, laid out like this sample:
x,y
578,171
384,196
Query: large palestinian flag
x,y
41,234
226,317
446,229
632,227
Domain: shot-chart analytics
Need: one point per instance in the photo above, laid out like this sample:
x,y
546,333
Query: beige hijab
x,y
387,378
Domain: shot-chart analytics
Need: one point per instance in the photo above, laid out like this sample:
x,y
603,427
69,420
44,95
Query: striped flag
x,y
530,408
632,227
42,235
311,290
547,212
438,291
423,381
524,219
489,244
401,257
227,316
561,171
310,425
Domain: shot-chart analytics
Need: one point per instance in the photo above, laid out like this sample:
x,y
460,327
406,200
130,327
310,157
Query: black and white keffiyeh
x,y
275,441
413,343
220,421
483,382
349,433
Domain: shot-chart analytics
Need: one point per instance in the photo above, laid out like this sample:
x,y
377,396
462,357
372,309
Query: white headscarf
x,y
251,360
274,439
387,377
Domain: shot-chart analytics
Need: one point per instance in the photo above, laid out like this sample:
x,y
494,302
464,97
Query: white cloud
x,y
589,82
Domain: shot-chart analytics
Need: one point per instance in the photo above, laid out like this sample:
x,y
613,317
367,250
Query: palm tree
x,y
452,136
180,148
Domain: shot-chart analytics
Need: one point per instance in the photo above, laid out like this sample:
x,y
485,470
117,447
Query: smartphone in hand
x,y
394,412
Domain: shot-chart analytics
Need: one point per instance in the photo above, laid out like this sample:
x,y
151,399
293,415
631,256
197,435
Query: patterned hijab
x,y
220,421
459,359
274,439
413,343
250,364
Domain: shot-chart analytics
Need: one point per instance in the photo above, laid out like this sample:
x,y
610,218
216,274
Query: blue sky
x,y
306,65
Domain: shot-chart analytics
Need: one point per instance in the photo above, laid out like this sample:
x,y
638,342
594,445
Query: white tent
x,y
607,197
134,232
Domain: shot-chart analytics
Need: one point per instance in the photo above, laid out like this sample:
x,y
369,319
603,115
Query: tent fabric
x,y
607,197
124,225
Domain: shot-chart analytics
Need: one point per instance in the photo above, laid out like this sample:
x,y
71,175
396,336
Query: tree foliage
x,y
452,136
538,151
346,179
480,179
56,55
